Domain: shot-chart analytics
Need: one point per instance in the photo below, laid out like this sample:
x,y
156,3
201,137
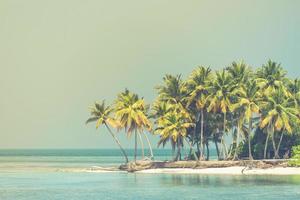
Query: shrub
x,y
295,160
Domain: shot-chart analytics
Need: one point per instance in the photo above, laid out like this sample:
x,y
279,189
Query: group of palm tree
x,y
209,107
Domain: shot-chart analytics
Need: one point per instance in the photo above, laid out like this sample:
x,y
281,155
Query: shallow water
x,y
36,177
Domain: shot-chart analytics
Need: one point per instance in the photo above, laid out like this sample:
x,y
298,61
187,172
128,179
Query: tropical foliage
x,y
240,112
295,162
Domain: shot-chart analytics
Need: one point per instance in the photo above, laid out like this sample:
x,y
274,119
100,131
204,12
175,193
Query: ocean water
x,y
38,175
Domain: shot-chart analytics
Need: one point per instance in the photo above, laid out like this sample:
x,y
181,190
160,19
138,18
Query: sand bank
x,y
226,171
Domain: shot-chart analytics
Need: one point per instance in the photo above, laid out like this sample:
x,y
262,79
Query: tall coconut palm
x,y
278,116
240,73
220,99
198,88
248,103
101,114
131,112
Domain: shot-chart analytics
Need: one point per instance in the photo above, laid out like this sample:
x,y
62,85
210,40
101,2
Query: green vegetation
x,y
295,162
258,110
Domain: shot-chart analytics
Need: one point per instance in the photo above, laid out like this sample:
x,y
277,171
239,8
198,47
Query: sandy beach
x,y
226,171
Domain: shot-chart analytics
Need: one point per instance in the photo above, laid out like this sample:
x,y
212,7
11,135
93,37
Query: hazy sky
x,y
58,56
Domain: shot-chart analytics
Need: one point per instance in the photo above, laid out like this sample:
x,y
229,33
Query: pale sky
x,y
58,56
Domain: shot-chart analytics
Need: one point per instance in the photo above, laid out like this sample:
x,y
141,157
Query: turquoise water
x,y
33,175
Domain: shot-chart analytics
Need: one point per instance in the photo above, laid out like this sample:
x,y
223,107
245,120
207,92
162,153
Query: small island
x,y
257,111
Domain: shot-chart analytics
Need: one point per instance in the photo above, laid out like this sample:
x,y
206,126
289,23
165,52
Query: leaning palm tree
x,y
173,127
278,116
198,88
101,114
131,112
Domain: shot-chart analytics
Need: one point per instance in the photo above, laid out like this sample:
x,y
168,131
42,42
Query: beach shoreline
x,y
225,171
266,167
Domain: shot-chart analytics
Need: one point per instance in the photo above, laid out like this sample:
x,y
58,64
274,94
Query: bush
x,y
295,160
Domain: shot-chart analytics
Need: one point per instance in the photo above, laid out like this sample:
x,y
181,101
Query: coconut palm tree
x,y
131,112
220,99
271,77
173,89
173,127
101,114
294,90
240,73
278,116
248,103
198,88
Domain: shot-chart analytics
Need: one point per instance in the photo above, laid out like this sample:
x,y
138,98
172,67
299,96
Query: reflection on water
x,y
128,186
36,175
227,180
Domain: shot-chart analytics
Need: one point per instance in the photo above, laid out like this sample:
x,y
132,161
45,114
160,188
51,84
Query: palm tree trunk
x,y
276,156
150,148
236,142
217,149
207,151
225,150
118,142
178,156
142,145
266,145
191,146
135,145
278,147
202,136
249,139
194,135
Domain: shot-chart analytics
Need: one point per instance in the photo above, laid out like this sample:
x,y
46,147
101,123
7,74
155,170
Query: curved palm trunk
x,y
266,145
249,139
202,136
276,156
195,155
150,148
278,147
118,142
142,145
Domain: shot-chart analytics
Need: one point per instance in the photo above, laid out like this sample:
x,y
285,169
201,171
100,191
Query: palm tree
x,y
271,77
248,103
173,127
294,90
198,87
131,112
101,114
220,99
173,89
278,115
240,73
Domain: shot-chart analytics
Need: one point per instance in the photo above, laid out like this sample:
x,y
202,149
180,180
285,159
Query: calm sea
x,y
44,175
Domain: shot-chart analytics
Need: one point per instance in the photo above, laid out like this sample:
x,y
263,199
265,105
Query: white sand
x,y
226,171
